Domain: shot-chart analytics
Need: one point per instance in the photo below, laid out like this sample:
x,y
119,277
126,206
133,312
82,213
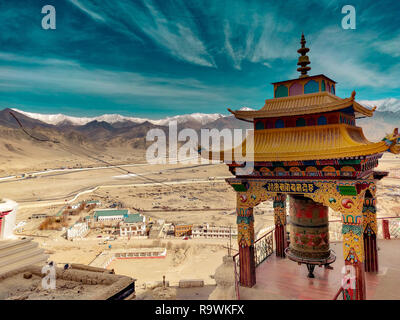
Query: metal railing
x,y
341,290
263,248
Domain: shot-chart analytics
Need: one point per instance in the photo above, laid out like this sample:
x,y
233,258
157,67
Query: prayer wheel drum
x,y
309,229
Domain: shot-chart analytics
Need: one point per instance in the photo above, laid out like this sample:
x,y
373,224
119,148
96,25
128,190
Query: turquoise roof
x,y
134,218
102,213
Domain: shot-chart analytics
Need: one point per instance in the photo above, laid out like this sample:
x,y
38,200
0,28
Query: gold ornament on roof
x,y
303,59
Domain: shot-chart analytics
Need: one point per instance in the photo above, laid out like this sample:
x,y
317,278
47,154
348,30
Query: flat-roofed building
x,y
208,231
38,216
78,230
134,225
183,230
110,215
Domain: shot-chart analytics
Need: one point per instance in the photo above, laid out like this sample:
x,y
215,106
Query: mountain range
x,y
57,119
108,129
115,137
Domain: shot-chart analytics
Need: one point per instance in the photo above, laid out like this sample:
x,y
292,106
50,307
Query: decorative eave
x,y
303,104
301,143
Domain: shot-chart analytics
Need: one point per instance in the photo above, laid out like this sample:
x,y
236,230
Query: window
x,y
323,88
296,89
281,91
300,122
311,87
333,89
259,125
279,123
322,120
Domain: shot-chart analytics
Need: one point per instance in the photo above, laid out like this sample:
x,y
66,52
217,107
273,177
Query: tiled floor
x,y
279,278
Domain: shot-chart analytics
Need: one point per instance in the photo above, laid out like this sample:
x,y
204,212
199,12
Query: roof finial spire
x,y
303,59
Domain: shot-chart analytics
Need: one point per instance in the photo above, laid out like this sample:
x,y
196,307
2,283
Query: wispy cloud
x,y
92,14
51,74
179,38
352,63
391,46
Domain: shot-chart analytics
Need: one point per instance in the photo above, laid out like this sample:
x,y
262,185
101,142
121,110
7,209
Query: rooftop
x,y
111,212
302,143
309,77
311,103
134,218
93,202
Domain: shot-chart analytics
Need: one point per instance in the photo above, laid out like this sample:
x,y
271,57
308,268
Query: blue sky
x,y
153,58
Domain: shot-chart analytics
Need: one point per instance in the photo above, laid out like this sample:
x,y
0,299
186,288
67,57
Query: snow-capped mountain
x,y
203,118
59,118
383,105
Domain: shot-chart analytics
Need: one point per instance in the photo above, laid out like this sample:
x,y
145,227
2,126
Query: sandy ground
x,y
18,288
196,261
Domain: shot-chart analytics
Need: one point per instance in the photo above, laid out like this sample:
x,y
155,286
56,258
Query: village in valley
x,y
145,232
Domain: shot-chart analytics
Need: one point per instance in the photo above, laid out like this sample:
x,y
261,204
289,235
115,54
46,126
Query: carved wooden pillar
x,y
245,224
353,253
370,228
280,224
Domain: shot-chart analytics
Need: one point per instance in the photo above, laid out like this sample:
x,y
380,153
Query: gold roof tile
x,y
302,143
303,104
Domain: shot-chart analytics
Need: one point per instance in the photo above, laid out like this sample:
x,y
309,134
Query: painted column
x,y
370,228
353,253
245,224
280,224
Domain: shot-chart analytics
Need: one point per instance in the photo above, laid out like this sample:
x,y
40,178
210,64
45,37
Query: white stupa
x,y
8,213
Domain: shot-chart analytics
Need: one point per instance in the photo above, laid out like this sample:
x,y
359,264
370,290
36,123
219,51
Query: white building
x,y
110,215
78,230
134,225
8,213
208,231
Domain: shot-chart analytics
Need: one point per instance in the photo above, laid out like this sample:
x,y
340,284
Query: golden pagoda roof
x,y
303,104
303,143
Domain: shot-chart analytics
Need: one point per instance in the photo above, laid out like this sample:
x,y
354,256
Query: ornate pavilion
x,y
306,145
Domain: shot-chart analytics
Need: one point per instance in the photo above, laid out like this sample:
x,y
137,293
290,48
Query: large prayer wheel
x,y
309,230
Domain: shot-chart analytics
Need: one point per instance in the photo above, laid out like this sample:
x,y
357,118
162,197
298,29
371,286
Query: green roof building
x,y
93,202
134,218
112,214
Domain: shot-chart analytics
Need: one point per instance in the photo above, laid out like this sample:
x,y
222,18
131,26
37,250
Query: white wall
x,y
8,221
